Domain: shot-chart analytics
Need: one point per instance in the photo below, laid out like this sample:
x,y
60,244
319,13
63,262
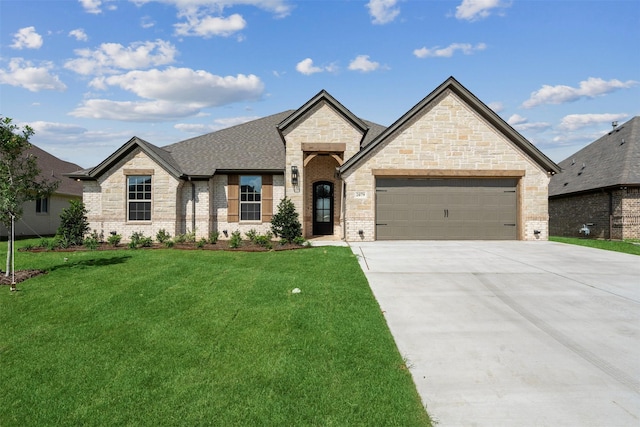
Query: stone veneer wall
x,y
106,199
450,136
568,214
322,124
219,188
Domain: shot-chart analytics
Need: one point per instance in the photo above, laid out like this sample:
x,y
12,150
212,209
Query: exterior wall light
x,y
294,175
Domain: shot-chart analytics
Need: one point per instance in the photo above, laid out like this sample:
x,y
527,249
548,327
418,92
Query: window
x,y
42,205
250,198
139,198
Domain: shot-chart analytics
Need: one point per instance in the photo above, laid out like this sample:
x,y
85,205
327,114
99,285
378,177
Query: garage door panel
x,y
438,209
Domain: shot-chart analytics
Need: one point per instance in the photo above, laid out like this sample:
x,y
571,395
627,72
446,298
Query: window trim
x,y
135,200
39,204
247,202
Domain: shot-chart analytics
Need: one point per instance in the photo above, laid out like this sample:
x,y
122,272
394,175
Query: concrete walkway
x,y
513,333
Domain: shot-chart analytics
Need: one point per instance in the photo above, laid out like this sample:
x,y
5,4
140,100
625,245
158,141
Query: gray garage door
x,y
446,209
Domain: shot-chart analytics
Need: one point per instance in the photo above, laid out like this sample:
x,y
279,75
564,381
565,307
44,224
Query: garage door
x,y
446,209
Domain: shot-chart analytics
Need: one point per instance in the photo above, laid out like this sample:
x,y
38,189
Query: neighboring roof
x,y
605,163
471,100
255,145
53,169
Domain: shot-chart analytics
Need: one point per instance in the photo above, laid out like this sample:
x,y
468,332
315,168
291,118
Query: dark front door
x,y
322,208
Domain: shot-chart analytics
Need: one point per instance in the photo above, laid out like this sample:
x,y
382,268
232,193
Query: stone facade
x,y
106,199
325,126
448,136
611,214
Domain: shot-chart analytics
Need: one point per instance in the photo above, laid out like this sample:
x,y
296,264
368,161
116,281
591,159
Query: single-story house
x,y
449,168
597,195
41,217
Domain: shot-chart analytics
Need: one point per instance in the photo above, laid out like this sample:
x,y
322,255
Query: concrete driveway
x,y
513,333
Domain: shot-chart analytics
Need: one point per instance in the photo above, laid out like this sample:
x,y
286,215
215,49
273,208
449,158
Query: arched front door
x,y
322,208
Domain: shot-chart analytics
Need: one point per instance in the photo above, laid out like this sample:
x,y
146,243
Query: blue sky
x,y
88,75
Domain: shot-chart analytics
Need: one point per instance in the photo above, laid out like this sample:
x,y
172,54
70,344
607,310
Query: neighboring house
x,y
42,217
450,168
599,188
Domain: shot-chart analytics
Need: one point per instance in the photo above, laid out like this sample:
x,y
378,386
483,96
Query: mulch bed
x,y
22,275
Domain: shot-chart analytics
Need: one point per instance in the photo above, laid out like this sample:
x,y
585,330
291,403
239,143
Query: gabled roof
x,y
53,169
160,156
612,160
324,96
478,106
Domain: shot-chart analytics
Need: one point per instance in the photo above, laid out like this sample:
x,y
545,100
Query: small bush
x,y
251,235
73,224
190,236
91,242
169,243
114,240
264,240
139,240
200,244
299,240
236,240
214,236
162,236
179,239
283,242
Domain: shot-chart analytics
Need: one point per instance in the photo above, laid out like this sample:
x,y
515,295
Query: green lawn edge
x,y
609,245
169,337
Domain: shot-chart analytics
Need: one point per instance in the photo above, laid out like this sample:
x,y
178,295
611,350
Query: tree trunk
x,y
9,251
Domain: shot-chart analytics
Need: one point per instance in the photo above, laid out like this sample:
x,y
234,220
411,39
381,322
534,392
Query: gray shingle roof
x,y
53,169
605,163
255,145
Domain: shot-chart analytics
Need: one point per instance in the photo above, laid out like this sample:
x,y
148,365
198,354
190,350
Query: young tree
x,y
285,223
20,179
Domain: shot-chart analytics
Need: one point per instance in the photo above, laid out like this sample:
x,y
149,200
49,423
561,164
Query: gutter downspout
x,y
193,206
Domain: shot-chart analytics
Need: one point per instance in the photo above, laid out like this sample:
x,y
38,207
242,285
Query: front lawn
x,y
609,245
168,337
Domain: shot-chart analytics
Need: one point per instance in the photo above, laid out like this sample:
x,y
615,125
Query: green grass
x,y
168,337
610,245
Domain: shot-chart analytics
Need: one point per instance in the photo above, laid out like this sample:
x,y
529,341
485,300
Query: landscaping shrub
x,y
73,224
200,244
214,236
114,240
251,235
91,241
235,240
264,240
285,223
139,240
162,236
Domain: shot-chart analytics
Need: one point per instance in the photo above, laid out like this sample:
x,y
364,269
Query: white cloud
x,y
24,74
383,11
280,8
27,38
147,22
362,63
307,68
133,111
111,57
91,6
208,26
79,34
522,124
48,129
496,106
589,88
449,51
173,93
573,122
474,10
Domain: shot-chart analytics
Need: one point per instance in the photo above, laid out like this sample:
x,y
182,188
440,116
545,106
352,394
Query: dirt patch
x,y
20,276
